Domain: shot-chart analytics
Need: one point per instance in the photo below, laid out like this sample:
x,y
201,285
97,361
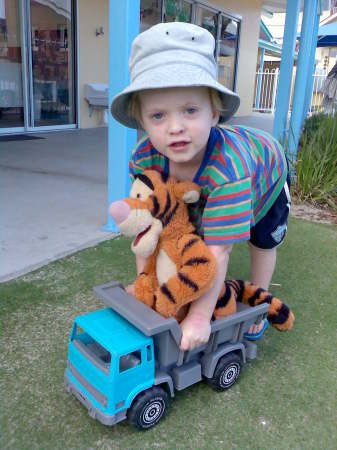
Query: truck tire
x,y
226,372
148,408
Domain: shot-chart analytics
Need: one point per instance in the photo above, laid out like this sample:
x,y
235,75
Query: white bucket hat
x,y
169,55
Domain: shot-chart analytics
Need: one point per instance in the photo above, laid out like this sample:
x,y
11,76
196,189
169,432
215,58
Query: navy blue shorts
x,y
270,231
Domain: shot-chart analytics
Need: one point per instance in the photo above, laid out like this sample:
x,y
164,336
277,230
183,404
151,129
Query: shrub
x,y
316,164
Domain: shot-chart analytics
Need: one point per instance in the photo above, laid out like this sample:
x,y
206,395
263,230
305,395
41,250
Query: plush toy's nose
x,y
119,211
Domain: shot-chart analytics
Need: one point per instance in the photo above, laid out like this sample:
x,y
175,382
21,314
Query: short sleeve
x,y
228,213
134,169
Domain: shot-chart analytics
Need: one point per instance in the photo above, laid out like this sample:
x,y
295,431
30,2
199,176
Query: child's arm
x,y
140,264
196,325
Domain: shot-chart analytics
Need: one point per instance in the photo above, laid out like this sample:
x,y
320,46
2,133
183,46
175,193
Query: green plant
x,y
316,164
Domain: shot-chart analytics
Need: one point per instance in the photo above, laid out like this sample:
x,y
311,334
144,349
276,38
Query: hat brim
x,y
191,76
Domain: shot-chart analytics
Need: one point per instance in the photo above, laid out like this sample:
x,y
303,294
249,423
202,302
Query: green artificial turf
x,y
285,399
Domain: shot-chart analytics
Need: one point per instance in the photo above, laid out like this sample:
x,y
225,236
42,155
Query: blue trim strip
x,y
266,30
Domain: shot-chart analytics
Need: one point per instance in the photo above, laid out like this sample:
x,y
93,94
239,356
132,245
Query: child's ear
x,y
187,191
216,118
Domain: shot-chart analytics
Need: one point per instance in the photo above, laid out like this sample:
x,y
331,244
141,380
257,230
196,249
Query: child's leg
x,y
262,265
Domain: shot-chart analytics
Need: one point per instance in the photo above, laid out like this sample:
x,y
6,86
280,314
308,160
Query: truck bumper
x,y
93,412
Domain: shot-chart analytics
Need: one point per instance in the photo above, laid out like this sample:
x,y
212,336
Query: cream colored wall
x,y
94,51
93,54
250,11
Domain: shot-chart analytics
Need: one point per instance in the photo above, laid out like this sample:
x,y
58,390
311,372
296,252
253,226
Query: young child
x,y
242,172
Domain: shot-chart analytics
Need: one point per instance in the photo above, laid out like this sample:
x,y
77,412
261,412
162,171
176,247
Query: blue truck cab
x,y
109,363
124,360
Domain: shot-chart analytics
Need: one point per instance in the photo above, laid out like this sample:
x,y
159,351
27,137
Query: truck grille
x,y
101,398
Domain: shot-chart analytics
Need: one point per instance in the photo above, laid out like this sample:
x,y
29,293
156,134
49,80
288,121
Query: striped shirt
x,y
242,173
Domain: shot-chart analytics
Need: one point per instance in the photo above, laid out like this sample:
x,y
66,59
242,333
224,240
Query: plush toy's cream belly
x,y
165,267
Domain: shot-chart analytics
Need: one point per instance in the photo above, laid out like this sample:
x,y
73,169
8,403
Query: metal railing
x,y
266,83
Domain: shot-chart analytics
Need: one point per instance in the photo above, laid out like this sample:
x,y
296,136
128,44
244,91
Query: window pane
x,y
227,51
150,13
130,360
207,19
92,349
11,89
177,11
52,62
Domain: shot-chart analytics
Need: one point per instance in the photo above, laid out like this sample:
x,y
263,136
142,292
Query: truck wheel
x,y
226,372
148,408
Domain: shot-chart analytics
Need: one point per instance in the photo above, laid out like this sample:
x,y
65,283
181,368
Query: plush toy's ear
x,y
187,191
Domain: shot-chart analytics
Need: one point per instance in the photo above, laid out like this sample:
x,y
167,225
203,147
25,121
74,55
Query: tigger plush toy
x,y
179,266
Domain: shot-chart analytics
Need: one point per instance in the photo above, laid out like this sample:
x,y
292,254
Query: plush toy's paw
x,y
144,290
163,304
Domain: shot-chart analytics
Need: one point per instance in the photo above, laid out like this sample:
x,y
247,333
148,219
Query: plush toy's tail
x,y
279,315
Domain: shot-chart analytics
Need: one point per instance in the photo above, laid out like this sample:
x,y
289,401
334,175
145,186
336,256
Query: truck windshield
x,y
91,349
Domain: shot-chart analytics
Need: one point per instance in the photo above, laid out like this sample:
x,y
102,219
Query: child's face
x,y
178,121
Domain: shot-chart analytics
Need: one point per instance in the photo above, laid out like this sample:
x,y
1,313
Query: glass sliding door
x,y
11,69
52,62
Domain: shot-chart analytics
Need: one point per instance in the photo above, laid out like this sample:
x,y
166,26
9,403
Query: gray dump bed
x,y
166,332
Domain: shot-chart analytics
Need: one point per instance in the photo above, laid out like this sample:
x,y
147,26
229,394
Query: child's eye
x,y
157,116
191,110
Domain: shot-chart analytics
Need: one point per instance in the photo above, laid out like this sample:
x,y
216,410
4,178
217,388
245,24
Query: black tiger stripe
x,y
168,293
256,296
146,180
189,244
169,216
156,206
164,176
184,279
167,206
281,316
224,299
238,286
196,260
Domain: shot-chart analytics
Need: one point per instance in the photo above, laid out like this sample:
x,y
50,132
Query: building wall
x,y
93,54
94,51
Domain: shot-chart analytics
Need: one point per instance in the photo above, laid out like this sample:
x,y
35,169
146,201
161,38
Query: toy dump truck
x,y
124,361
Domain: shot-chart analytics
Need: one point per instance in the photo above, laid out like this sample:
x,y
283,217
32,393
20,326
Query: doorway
x,y
37,65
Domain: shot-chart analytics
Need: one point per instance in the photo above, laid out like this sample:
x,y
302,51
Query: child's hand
x,y
130,289
196,329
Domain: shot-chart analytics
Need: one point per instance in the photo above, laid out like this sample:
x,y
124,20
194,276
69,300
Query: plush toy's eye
x,y
138,196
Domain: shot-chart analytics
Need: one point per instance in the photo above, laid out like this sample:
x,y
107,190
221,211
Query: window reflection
x,y
150,13
52,62
227,51
207,19
11,88
177,11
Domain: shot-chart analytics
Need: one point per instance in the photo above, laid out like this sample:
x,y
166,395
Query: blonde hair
x,y
135,110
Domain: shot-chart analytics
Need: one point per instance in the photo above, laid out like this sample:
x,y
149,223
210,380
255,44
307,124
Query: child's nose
x,y
175,125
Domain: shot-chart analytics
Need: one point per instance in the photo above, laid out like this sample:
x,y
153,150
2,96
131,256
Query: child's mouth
x,y
181,145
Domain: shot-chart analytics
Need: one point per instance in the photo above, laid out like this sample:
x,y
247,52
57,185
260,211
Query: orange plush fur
x,y
179,266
